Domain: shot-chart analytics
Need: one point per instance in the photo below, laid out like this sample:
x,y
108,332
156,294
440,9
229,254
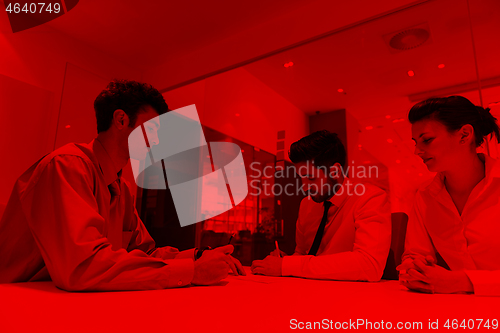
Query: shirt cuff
x,y
292,265
187,254
483,282
180,272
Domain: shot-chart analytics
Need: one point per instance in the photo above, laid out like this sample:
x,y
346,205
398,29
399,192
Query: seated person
x,y
457,213
341,233
72,218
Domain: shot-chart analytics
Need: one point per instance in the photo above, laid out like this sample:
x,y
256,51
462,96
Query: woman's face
x,y
439,149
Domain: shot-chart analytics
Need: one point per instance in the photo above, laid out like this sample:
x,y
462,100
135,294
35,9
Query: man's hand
x,y
271,265
424,276
210,269
233,263
214,265
278,253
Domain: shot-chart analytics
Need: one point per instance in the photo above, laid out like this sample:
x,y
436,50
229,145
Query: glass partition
x,y
373,72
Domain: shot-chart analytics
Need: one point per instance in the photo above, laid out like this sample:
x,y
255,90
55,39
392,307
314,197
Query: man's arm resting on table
x,y
142,240
69,233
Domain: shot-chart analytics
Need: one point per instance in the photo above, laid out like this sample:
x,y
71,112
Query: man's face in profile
x,y
318,182
138,146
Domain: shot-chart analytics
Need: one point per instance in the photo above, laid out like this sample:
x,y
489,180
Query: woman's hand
x,y
430,278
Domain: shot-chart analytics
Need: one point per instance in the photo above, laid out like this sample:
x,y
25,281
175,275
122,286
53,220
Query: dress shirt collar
x,y
491,170
105,162
341,194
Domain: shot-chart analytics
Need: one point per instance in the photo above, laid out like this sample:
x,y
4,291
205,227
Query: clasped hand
x,y
422,274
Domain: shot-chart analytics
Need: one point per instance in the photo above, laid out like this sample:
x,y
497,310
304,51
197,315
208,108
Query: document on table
x,y
258,278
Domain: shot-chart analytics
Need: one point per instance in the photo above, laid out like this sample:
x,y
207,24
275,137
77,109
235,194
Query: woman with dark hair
x,y
457,214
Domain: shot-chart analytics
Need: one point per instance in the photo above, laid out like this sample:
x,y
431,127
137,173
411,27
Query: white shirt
x,y
468,242
355,243
62,223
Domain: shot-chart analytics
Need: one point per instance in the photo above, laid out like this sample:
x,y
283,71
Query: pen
x,y
231,238
277,248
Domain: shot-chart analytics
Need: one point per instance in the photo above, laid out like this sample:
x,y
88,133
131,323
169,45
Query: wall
x,y
77,121
36,61
239,105
23,119
334,121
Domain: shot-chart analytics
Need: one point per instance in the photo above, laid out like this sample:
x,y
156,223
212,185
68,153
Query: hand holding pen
x,y
271,265
277,252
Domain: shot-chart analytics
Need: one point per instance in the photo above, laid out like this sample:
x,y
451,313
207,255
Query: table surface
x,y
249,304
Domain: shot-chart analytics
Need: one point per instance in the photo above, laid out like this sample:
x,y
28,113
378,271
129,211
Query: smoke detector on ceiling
x,y
409,38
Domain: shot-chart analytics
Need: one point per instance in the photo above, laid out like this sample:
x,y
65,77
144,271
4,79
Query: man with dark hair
x,y
71,216
343,232
129,96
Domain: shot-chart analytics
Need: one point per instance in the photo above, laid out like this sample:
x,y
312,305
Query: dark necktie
x,y
321,229
114,189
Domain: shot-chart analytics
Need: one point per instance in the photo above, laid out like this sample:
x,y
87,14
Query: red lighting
x,y
366,162
288,64
237,115
411,73
369,127
398,161
420,174
340,90
388,116
389,140
441,66
360,147
68,126
398,120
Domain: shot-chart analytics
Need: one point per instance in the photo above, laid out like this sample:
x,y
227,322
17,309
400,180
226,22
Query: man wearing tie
x,y
343,232
71,217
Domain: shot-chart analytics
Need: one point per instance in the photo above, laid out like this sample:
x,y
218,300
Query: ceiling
x,y
148,33
374,78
